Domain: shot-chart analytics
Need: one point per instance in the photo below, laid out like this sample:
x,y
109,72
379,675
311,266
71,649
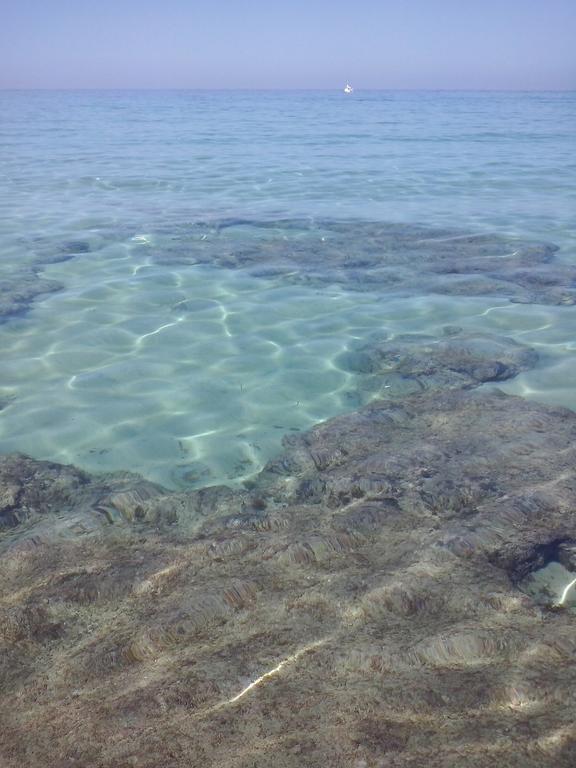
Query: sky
x,y
405,44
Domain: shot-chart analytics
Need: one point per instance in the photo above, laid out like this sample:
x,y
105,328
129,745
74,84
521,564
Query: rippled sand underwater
x,y
278,507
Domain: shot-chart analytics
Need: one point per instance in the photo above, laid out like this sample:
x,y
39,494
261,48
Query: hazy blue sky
x,y
525,44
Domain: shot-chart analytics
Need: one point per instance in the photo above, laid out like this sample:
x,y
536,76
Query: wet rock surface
x,y
31,489
357,606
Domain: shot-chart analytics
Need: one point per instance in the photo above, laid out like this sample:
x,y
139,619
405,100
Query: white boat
x,y
348,88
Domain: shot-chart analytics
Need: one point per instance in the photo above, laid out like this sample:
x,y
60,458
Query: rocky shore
x,y
359,604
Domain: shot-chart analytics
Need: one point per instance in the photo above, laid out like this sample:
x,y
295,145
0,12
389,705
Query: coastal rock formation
x,y
30,489
362,602
357,606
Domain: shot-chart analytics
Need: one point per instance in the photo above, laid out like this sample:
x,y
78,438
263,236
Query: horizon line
x,y
288,89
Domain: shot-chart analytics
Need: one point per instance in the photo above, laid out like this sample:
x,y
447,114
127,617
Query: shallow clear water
x,y
192,374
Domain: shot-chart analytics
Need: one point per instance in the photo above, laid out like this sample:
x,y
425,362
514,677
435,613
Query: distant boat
x,y
348,88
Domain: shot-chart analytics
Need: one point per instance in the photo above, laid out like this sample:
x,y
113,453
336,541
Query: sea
x,y
122,351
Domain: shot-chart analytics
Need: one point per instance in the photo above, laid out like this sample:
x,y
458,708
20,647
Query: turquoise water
x,y
191,374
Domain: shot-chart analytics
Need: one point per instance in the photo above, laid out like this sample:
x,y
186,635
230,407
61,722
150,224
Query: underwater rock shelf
x,y
401,259
19,289
363,602
358,603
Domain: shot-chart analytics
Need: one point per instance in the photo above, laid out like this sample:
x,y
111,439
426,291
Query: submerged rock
x,y
76,247
412,363
7,397
19,291
31,489
400,259
396,259
21,287
363,601
359,605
